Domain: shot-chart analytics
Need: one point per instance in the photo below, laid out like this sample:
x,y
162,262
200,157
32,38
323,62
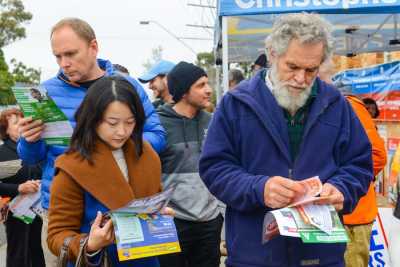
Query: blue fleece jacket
x,y
68,97
247,142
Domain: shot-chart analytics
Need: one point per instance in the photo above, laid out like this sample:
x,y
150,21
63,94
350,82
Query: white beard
x,y
283,96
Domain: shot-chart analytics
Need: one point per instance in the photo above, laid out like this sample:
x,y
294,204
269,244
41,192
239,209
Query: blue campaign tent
x,y
359,26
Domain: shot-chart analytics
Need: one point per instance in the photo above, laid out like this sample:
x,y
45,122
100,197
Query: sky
x,y
120,36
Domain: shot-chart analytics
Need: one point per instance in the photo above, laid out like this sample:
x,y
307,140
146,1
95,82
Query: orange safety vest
x,y
366,209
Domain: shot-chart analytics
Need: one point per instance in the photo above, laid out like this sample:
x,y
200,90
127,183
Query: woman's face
x,y
117,125
12,130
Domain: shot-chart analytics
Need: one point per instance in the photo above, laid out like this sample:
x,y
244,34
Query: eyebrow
x,y
114,118
291,64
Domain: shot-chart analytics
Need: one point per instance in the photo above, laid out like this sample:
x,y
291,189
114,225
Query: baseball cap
x,y
160,68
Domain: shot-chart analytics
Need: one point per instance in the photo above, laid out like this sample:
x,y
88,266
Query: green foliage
x,y
12,16
156,55
22,73
6,82
205,60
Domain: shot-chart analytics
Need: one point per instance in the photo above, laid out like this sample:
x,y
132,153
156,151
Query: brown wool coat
x,y
104,181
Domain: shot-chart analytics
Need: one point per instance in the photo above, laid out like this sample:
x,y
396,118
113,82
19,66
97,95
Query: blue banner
x,y
252,7
380,82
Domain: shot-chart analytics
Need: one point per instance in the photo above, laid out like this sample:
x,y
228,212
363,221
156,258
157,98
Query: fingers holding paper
x,y
331,195
100,236
280,192
30,129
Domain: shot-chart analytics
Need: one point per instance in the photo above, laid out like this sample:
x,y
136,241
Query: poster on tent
x,y
379,82
378,250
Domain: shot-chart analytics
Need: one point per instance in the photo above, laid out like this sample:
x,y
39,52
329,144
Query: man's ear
x,y
94,45
272,55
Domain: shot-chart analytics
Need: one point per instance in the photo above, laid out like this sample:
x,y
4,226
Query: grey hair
x,y
305,27
235,75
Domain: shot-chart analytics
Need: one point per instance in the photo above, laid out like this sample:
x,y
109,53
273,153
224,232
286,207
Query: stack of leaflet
x,y
311,222
26,207
141,231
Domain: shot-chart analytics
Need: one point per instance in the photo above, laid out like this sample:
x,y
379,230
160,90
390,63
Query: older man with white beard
x,y
281,127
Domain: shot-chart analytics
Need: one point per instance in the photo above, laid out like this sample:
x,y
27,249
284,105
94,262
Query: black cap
x,y
182,77
261,61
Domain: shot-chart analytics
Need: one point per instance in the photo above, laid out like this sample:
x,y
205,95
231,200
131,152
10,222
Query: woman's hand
x,y
31,186
100,237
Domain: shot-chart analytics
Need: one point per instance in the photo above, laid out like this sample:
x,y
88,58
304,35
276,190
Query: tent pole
x,y
225,60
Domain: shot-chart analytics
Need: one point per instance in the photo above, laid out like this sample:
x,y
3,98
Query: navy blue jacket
x,y
247,142
68,98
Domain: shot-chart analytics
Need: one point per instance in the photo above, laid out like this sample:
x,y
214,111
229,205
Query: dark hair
x,y
370,101
90,114
4,120
121,68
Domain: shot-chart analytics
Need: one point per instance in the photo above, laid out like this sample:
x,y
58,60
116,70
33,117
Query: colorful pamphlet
x,y
35,102
26,206
141,231
311,222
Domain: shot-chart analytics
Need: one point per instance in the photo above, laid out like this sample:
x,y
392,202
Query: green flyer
x,y
35,102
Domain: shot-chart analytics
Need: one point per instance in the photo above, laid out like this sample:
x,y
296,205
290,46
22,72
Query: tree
x,y
205,60
156,55
6,81
22,73
12,16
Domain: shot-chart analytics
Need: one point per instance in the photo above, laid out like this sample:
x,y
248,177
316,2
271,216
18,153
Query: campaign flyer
x,y
35,102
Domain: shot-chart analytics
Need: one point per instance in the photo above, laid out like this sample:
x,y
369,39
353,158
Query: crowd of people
x,y
269,132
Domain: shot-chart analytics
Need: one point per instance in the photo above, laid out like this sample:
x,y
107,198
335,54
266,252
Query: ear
x,y
272,55
94,46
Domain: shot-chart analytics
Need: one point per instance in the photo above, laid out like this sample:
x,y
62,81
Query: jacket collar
x,y
103,64
103,179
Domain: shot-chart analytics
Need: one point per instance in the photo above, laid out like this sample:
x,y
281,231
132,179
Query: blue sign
x,y
248,7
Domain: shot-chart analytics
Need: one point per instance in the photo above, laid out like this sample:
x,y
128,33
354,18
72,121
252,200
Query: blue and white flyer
x,y
141,231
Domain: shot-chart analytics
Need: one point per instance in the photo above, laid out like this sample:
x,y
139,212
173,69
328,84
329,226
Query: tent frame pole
x,y
225,59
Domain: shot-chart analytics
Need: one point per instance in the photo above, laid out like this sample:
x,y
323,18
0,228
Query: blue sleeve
x,y
153,132
31,153
220,167
354,156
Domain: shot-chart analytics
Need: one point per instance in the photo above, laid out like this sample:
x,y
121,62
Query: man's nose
x,y
300,77
208,89
64,62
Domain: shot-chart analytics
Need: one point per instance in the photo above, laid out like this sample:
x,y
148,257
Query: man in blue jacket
x,y
282,126
75,48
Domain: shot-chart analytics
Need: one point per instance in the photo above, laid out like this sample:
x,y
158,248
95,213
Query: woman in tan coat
x,y
106,166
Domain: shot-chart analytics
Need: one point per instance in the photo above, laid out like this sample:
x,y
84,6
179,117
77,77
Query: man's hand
x,y
31,186
30,129
333,196
280,192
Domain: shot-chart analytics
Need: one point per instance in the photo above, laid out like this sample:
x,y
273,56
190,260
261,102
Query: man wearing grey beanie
x,y
198,219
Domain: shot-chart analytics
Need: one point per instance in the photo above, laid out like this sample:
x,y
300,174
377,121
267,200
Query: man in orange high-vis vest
x,y
359,223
